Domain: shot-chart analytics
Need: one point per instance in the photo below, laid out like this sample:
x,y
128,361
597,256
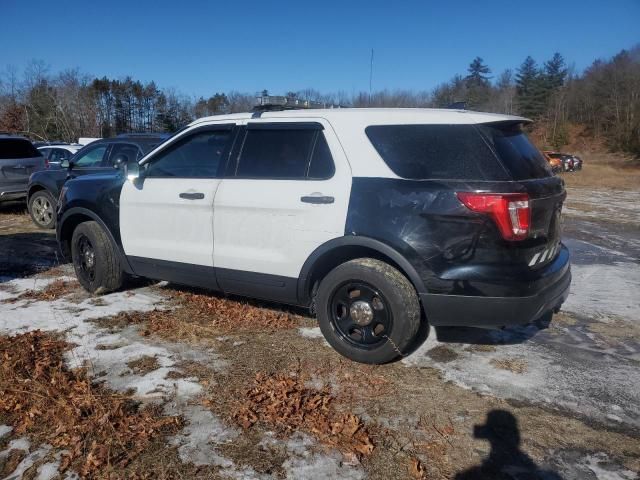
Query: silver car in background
x,y
18,160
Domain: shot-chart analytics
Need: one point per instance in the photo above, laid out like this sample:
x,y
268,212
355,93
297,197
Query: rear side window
x,y
421,152
458,152
321,166
17,148
279,153
517,154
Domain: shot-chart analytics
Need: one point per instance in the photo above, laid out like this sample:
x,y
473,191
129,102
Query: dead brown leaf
x,y
41,397
285,402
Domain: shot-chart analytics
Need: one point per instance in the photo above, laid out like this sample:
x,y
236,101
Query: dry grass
x,y
143,365
514,365
98,429
604,176
286,403
197,317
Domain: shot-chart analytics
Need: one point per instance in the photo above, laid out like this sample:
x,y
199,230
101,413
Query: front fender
x,y
63,232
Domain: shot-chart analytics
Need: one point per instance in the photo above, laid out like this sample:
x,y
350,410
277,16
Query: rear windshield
x,y
458,152
17,148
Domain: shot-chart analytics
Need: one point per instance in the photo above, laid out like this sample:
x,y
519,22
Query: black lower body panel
x,y
249,284
548,293
181,273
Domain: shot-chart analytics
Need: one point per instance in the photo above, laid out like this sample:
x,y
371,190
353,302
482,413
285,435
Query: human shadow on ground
x,y
505,460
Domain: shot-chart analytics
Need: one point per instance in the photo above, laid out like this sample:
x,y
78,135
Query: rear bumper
x,y
548,292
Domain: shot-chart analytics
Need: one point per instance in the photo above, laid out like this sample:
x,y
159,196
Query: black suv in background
x,y
18,159
98,157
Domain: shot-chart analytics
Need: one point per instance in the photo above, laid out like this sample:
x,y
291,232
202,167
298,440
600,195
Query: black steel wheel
x,y
360,314
86,258
95,259
368,311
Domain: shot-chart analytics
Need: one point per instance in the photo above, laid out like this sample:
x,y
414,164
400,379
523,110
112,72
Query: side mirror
x,y
130,168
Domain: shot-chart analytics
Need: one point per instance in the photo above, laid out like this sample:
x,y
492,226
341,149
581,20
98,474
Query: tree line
x,y
605,98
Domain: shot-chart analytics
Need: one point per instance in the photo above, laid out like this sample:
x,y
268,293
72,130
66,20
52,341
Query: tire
x,y
368,290
42,208
95,259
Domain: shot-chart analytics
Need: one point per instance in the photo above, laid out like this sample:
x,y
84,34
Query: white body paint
x,y
156,223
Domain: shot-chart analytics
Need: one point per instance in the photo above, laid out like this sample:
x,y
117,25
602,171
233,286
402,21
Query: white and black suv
x,y
379,220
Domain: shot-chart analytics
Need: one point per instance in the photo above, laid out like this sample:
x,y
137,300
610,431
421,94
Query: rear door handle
x,y
317,199
192,196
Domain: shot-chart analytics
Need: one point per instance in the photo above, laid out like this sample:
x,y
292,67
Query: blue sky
x,y
200,47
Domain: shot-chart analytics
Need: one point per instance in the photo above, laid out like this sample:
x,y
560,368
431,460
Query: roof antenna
x,y
370,76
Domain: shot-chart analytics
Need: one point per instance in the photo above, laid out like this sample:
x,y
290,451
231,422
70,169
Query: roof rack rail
x,y
458,106
141,135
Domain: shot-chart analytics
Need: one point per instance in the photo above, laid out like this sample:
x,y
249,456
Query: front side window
x,y
198,155
285,153
91,158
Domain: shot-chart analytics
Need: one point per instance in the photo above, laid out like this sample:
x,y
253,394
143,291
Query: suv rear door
x,y
18,159
286,192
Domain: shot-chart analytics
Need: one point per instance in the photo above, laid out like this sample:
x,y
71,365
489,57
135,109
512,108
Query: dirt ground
x,y
257,393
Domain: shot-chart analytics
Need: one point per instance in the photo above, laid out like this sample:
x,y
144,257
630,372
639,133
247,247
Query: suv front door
x,y
285,194
166,216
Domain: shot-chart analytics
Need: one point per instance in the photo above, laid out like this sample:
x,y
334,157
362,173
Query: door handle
x,y
317,199
192,196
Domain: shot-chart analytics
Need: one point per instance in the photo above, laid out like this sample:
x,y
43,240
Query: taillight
x,y
46,162
510,211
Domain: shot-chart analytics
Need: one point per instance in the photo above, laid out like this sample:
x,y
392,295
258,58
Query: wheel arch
x,y
36,187
339,250
74,217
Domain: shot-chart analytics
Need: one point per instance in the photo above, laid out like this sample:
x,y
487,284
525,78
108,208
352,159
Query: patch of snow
x,y
18,286
21,443
310,332
4,430
48,471
605,290
559,373
600,465
305,463
198,440
28,461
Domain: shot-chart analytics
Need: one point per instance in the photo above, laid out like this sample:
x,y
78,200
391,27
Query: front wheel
x,y
42,208
368,311
95,259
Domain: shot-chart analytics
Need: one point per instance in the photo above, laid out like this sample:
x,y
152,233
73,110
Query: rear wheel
x,y
95,260
368,311
42,208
